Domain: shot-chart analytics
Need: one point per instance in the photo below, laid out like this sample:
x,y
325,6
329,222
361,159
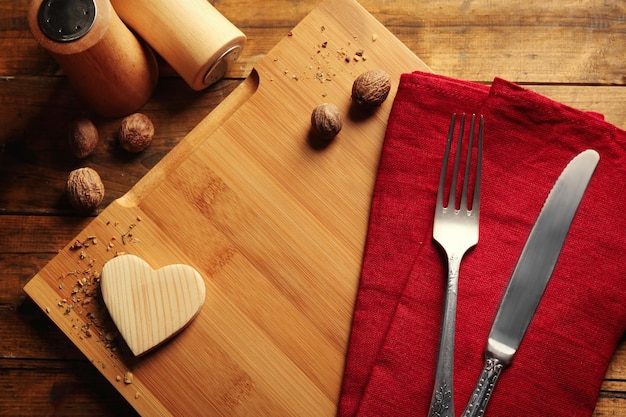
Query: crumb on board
x,y
325,68
78,289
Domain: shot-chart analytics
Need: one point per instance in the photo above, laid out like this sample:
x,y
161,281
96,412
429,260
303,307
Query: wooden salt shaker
x,y
197,41
108,67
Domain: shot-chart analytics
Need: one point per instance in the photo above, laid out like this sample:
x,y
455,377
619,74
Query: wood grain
x,y
570,51
150,306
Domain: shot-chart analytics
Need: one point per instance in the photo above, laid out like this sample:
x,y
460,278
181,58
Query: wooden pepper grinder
x,y
110,70
197,41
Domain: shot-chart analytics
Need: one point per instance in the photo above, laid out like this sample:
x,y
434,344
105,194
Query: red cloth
x,y
528,140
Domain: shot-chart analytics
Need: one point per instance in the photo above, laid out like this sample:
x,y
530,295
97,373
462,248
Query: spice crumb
x,y
128,378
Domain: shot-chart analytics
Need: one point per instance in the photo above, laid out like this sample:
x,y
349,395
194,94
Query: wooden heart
x,y
150,306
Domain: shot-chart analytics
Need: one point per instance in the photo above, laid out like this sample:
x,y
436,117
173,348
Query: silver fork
x,y
456,231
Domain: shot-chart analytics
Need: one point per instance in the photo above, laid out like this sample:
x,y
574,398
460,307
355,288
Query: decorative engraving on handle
x,y
442,399
482,393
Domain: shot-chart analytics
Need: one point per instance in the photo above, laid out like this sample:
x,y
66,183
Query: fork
x,y
456,231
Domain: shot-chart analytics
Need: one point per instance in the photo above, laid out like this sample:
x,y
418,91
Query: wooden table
x,y
570,51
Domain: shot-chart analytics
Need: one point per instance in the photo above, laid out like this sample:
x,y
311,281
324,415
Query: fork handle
x,y
442,401
482,393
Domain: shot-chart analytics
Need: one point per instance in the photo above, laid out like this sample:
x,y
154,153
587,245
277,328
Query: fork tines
x,y
452,192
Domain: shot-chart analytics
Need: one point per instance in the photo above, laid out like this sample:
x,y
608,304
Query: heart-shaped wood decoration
x,y
150,306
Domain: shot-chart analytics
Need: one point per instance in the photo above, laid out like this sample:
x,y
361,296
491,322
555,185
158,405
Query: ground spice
x,y
83,296
128,378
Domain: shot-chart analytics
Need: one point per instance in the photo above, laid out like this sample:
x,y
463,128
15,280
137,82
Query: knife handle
x,y
482,393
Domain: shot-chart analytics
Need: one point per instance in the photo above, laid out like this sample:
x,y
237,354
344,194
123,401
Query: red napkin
x,y
529,139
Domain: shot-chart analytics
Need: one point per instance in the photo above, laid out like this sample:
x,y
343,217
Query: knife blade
x,y
531,275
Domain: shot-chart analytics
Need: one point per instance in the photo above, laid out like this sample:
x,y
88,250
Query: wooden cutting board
x,y
275,225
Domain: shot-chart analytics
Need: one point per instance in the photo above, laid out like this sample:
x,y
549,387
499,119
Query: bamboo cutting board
x,y
275,225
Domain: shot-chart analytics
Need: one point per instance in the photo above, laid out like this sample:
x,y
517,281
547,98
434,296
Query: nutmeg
x,y
84,188
82,137
135,132
371,88
326,120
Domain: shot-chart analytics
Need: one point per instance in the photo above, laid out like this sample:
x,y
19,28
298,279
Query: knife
x,y
531,275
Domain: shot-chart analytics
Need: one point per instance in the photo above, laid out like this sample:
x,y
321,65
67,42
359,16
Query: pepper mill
x,y
195,39
110,70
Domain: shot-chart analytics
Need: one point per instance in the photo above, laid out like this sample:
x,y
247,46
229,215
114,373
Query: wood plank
x,y
606,100
73,388
33,127
25,235
523,41
33,336
610,406
617,368
30,242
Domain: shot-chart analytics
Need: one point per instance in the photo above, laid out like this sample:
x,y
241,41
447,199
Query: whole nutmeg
x,y
85,190
82,137
371,88
135,132
326,120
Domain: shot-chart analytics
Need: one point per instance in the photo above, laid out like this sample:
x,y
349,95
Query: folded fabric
x,y
529,139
